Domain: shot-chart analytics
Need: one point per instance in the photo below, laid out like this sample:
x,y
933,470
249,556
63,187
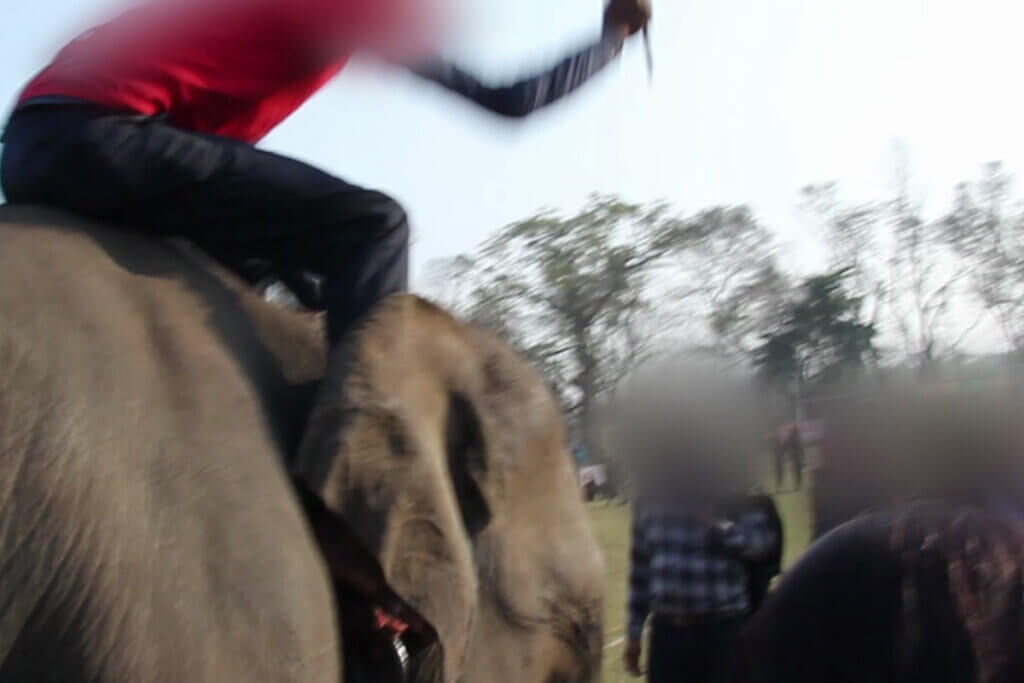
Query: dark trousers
x,y
700,652
231,199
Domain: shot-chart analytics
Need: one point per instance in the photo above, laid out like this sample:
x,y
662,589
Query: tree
x,y
576,295
581,282
732,275
820,341
588,298
852,235
924,278
988,234
899,263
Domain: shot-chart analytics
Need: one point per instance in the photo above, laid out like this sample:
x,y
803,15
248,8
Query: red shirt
x,y
235,68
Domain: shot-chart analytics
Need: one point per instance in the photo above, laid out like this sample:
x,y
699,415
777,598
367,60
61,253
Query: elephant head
x,y
446,454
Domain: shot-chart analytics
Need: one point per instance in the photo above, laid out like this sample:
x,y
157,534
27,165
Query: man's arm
x,y
529,94
639,603
639,582
622,18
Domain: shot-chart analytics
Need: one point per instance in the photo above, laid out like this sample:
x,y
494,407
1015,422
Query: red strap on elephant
x,y
389,622
356,568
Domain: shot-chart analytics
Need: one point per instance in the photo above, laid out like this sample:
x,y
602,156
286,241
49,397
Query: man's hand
x,y
716,535
631,657
626,17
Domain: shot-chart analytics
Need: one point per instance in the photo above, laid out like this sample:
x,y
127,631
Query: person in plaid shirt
x,y
694,570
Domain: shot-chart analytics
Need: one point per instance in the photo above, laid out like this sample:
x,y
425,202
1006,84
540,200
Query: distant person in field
x,y
789,449
703,554
150,121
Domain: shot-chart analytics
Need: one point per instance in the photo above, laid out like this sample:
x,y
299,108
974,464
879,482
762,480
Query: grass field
x,y
611,523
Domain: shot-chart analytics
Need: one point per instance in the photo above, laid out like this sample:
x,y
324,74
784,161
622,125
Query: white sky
x,y
751,99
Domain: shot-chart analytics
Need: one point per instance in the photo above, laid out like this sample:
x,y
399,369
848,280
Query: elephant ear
x,y
395,446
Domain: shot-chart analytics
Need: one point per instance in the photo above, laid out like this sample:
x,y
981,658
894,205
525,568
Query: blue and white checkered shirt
x,y
688,563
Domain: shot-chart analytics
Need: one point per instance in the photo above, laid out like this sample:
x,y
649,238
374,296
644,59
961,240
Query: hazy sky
x,y
751,99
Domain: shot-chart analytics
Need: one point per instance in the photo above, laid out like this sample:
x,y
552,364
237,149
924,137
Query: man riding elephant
x,y
176,550
150,121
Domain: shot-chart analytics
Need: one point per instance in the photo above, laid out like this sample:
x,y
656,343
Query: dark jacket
x,y
759,572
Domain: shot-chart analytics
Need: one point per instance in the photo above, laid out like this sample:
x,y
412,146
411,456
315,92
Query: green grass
x,y
611,524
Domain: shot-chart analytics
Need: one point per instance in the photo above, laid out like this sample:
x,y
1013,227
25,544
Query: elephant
x,y
928,590
161,426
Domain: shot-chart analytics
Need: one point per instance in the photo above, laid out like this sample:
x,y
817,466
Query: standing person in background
x,y
791,449
694,571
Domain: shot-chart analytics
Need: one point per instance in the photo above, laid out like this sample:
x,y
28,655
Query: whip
x,y
649,55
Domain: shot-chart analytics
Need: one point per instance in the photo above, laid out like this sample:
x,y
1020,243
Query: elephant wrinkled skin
x,y
152,411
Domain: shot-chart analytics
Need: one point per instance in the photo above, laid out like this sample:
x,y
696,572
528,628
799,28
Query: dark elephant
x,y
917,592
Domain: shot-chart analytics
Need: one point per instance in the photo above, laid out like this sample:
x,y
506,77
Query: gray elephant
x,y
149,527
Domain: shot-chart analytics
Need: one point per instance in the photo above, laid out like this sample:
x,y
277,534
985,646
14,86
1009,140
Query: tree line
x,y
590,298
